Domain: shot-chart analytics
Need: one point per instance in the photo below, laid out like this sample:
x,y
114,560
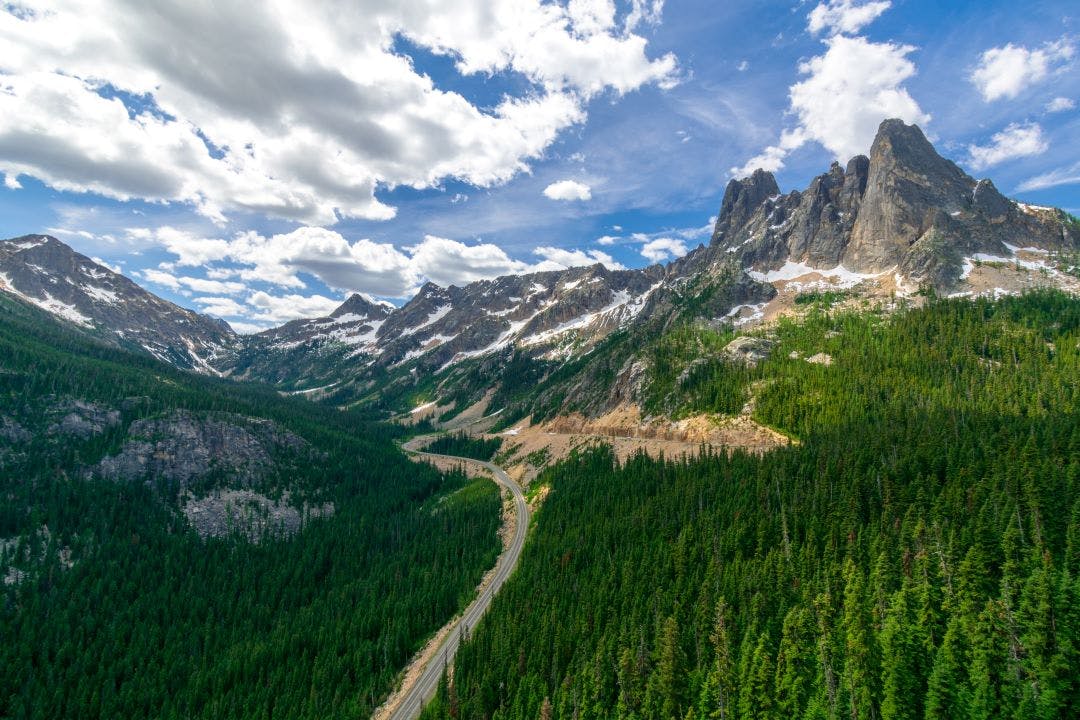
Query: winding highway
x,y
412,699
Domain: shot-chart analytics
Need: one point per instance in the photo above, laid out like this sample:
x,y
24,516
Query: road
x,y
424,687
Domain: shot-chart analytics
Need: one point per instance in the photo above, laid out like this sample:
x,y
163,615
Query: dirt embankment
x,y
530,448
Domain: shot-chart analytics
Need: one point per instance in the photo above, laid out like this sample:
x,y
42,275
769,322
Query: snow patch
x,y
61,309
969,262
435,316
32,243
93,273
101,295
757,312
422,408
312,390
791,270
1034,209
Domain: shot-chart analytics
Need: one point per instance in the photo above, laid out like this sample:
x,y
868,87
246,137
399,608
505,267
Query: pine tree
x,y
718,694
756,694
862,667
794,663
903,674
671,672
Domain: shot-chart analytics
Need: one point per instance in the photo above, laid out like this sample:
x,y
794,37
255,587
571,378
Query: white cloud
x,y
643,11
379,269
845,16
592,16
1060,104
568,190
11,181
222,307
560,259
300,109
160,277
261,310
662,249
1015,141
115,268
1068,175
606,240
276,309
845,95
201,285
743,66
1005,72
247,328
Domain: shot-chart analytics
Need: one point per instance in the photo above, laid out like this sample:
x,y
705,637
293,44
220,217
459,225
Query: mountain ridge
x,y
903,217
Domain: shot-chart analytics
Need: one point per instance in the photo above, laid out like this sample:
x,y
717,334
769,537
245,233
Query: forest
x,y
914,554
113,607
464,445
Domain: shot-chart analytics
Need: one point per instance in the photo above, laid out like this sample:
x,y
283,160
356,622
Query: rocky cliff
x,y
904,209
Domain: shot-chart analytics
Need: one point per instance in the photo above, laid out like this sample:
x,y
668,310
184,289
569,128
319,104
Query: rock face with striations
x,y
904,209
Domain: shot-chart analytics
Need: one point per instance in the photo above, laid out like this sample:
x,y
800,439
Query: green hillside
x,y
113,606
917,554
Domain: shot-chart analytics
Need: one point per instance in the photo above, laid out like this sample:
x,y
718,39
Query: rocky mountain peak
x,y
41,270
903,208
361,306
741,199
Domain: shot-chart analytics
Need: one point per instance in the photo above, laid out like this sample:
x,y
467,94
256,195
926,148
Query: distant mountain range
x,y
900,220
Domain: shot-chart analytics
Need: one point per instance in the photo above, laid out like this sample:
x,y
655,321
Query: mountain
x,y
915,555
902,219
245,535
905,210
45,272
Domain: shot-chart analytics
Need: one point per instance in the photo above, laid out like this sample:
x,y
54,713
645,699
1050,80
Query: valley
x,y
823,466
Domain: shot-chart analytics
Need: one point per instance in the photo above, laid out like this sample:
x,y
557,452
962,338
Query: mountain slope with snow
x,y
45,272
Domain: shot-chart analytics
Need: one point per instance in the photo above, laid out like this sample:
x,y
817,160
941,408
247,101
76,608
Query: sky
x,y
260,162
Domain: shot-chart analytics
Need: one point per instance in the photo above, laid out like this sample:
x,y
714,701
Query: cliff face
x,y
904,208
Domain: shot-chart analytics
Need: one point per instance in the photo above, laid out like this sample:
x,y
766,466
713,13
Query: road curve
x,y
423,689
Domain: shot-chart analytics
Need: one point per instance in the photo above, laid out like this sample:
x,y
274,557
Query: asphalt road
x,y
425,686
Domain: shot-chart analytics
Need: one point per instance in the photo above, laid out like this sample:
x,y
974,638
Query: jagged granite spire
x,y
741,199
904,207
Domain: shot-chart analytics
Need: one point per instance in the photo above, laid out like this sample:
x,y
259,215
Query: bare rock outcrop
x,y
180,448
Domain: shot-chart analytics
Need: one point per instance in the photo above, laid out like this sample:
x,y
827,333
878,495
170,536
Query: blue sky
x,y
261,165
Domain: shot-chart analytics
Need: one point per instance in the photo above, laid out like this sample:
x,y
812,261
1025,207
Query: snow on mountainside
x,y
904,212
47,273
900,219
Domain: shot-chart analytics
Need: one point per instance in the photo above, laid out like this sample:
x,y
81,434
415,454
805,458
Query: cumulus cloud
x,y
260,310
1015,141
302,110
845,16
1005,72
845,94
568,190
606,240
1060,104
278,309
222,307
363,265
191,284
560,258
661,249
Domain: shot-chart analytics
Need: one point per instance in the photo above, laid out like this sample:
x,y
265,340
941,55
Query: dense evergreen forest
x,y
915,554
464,445
113,607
